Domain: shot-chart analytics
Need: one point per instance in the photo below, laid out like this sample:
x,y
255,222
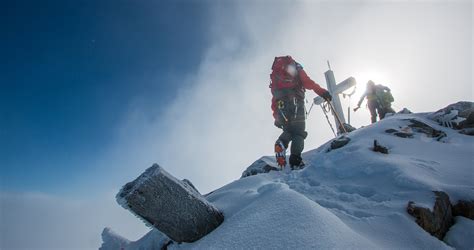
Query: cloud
x,y
222,122
41,221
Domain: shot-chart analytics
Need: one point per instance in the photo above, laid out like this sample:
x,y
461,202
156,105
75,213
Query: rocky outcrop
x,y
172,206
260,166
464,208
347,127
436,222
459,115
379,148
416,126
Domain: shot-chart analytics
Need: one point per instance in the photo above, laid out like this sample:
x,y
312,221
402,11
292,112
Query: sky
x,y
94,92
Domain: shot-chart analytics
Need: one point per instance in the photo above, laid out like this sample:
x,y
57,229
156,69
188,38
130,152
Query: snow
x,y
461,235
350,197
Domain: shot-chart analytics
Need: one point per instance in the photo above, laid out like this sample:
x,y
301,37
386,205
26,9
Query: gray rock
x,y
260,166
404,111
436,222
421,127
171,206
459,115
340,142
379,148
467,131
390,131
348,128
403,134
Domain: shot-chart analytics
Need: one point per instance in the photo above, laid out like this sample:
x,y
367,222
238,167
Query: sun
x,y
362,77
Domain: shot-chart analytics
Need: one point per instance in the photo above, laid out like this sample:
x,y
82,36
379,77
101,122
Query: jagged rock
x,y
390,131
459,115
340,142
262,165
464,208
189,184
170,205
467,131
153,240
404,111
347,127
403,134
438,222
426,129
379,148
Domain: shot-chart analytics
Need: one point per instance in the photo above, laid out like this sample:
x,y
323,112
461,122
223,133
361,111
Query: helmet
x,y
370,84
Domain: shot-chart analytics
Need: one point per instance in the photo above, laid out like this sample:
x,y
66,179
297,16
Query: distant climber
x,y
379,100
288,84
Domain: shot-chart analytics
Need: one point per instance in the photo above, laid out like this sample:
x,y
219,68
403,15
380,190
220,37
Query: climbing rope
x,y
326,108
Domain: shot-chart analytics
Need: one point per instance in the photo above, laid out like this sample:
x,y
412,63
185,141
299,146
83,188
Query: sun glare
x,y
364,76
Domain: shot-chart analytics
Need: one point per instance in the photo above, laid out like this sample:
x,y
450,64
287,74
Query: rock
x,y
426,129
260,166
390,131
467,131
438,222
403,134
464,208
379,148
404,111
171,206
189,184
340,142
469,122
348,128
459,115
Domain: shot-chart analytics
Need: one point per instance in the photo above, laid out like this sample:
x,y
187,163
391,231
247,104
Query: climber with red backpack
x,y
288,85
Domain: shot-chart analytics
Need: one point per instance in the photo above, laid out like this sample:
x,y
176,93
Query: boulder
x,y
379,148
349,128
464,208
421,127
459,115
172,206
436,222
339,142
404,111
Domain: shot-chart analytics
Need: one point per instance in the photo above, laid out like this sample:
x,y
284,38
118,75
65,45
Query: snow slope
x,y
349,197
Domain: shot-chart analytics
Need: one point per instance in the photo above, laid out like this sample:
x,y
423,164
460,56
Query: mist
x,y
222,123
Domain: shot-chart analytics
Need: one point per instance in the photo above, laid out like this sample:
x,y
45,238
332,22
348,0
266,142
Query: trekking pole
x,y
337,118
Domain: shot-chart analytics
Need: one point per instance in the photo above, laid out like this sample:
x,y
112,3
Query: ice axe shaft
x,y
337,117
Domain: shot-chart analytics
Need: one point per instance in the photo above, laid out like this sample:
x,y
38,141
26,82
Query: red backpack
x,y
282,83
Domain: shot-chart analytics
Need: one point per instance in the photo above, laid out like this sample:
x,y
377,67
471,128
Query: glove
x,y
327,96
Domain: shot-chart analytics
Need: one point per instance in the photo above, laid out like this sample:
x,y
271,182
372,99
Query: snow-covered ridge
x,y
350,197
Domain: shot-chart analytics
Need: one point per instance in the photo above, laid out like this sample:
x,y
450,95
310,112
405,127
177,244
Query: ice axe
x,y
337,117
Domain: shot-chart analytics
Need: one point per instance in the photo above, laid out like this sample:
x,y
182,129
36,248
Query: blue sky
x,y
69,72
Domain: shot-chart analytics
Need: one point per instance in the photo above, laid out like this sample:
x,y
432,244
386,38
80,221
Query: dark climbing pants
x,y
375,108
294,128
